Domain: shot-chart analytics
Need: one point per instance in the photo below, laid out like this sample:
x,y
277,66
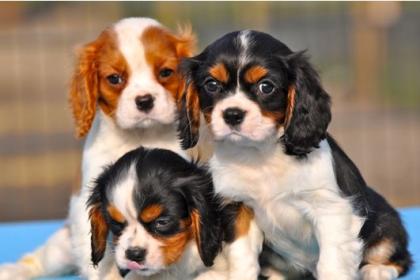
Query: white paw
x,y
14,272
379,272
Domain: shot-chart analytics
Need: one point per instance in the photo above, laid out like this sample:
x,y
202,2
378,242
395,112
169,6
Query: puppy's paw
x,y
14,271
379,272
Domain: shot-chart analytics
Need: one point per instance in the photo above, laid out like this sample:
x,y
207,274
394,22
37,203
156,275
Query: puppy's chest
x,y
274,194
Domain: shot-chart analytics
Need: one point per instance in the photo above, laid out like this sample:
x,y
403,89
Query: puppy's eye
x,y
165,72
212,86
114,79
266,87
163,223
117,227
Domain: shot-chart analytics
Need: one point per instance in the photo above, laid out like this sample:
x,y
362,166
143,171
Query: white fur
x,y
379,272
297,204
242,252
255,127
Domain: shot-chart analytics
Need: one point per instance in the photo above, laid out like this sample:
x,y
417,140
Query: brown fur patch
x,y
243,220
196,227
219,72
89,86
99,233
255,73
151,212
115,214
276,116
173,247
380,252
165,50
290,106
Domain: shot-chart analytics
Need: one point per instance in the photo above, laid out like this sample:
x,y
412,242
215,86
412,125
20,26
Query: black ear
x,y
188,106
205,218
308,113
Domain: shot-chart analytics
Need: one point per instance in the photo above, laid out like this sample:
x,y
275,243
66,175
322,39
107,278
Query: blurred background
x,y
368,55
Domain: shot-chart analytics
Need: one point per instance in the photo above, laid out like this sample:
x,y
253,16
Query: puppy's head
x,y
130,73
252,88
150,205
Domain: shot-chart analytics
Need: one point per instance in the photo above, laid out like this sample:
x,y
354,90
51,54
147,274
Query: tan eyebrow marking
x,y
151,212
255,73
219,72
115,214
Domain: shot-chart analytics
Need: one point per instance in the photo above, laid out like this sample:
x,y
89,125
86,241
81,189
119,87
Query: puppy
x,y
123,94
162,218
269,114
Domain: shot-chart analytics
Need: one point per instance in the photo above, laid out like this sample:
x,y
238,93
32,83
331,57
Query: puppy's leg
x,y
51,259
81,236
337,229
386,256
244,251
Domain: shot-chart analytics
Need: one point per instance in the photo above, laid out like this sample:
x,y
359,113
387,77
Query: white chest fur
x,y
106,143
287,195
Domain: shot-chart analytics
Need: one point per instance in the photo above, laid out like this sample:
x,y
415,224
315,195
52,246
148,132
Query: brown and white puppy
x,y
123,94
269,114
157,215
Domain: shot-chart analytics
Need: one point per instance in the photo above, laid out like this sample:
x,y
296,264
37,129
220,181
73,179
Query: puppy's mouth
x,y
138,268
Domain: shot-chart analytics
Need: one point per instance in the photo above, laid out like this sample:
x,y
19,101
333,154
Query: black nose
x,y
144,102
233,116
136,254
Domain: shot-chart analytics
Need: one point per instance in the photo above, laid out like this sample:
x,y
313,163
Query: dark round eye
x,y
212,86
166,72
163,223
266,87
117,227
114,79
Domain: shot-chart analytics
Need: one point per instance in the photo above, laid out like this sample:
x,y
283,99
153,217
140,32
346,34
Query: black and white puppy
x,y
161,219
269,114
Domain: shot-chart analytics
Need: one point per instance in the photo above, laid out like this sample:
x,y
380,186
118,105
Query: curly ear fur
x,y
99,233
308,113
185,41
189,108
84,90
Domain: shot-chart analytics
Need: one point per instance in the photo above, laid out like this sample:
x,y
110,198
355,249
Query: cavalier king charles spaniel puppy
x,y
123,94
155,215
269,114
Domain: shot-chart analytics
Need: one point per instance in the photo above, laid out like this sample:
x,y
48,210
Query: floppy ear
x,y
205,219
188,107
84,89
99,233
308,112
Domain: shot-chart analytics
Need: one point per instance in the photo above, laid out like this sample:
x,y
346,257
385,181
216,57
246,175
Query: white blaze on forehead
x,y
122,194
141,79
244,42
129,32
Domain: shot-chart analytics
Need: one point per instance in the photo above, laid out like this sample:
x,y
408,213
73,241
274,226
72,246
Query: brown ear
x,y
84,89
189,118
290,106
99,234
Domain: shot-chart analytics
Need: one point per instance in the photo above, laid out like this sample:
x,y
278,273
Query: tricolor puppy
x,y
269,114
123,94
158,215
